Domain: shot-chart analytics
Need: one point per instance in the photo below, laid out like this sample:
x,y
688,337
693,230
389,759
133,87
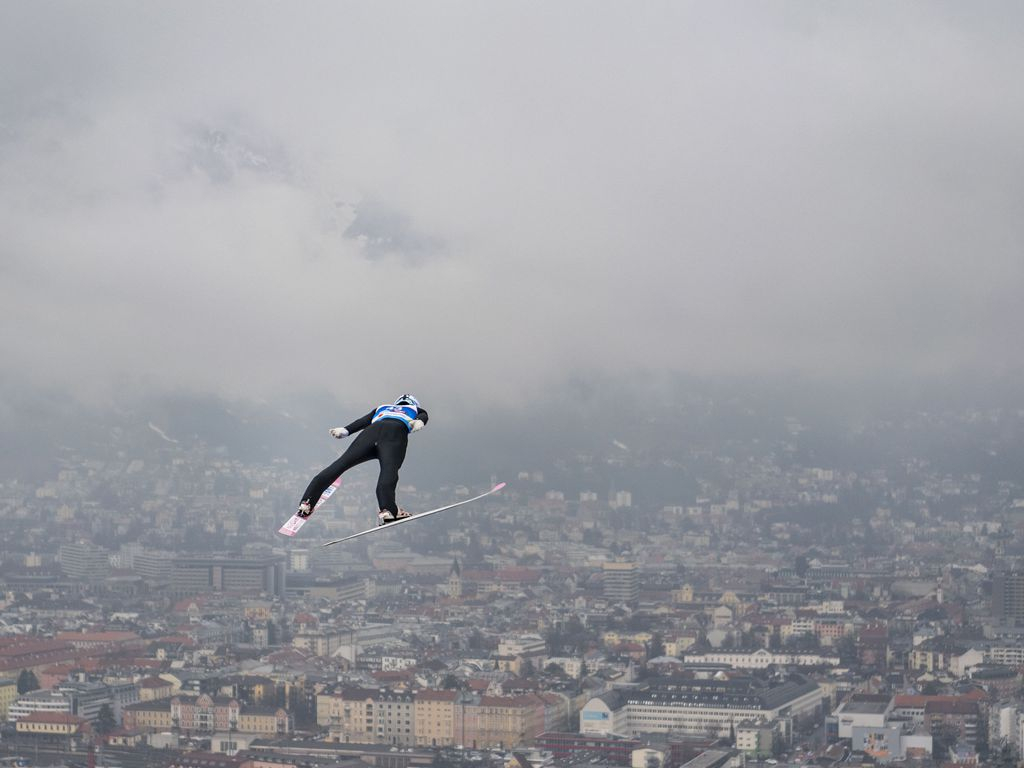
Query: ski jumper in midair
x,y
384,436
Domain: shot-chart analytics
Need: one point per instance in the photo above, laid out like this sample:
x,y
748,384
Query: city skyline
x,y
725,296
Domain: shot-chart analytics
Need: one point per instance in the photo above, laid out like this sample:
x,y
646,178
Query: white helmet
x,y
408,400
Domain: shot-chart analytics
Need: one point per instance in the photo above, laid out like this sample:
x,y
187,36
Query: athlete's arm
x,y
361,423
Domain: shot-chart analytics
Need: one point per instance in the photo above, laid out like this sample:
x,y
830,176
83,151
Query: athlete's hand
x,y
416,425
339,432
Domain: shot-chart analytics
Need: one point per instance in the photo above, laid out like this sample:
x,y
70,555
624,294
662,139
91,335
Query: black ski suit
x,y
386,441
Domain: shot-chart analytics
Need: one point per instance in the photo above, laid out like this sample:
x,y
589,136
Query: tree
x,y
1005,758
105,721
801,566
846,647
554,640
299,706
453,682
476,640
27,681
944,738
656,648
576,634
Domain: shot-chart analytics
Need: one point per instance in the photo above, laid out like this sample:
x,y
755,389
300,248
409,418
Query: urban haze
x,y
727,293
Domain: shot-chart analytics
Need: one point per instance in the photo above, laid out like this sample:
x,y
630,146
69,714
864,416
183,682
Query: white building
x,y
1008,656
960,665
755,739
621,499
862,711
698,707
521,645
38,701
762,658
1008,724
889,743
648,757
571,665
604,715
298,560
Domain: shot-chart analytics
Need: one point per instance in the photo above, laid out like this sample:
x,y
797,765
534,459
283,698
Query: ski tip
x,y
498,487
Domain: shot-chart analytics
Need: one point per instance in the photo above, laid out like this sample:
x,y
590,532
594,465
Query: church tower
x,y
455,580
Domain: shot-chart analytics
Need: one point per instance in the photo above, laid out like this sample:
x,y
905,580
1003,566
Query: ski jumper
x,y
384,436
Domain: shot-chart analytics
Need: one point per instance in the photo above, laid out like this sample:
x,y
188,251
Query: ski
x,y
495,489
295,522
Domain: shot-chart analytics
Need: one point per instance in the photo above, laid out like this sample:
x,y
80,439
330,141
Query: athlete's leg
x,y
391,446
362,449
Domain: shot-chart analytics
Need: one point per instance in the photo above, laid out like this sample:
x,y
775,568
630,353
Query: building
x,y
191,575
1005,655
349,714
699,707
155,715
205,713
84,561
436,715
936,654
87,699
155,688
154,566
396,719
604,715
363,715
266,721
1000,682
52,724
621,582
611,749
321,641
884,727
959,715
298,560
762,658
861,710
890,743
8,693
755,739
514,653
1008,597
503,721
38,701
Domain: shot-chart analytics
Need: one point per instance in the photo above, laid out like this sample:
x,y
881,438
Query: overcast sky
x,y
470,199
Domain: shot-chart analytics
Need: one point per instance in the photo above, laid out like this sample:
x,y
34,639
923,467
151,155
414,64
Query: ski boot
x,y
305,509
386,516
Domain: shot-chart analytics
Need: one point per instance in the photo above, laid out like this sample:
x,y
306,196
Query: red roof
x,y
432,695
959,706
60,718
113,636
923,702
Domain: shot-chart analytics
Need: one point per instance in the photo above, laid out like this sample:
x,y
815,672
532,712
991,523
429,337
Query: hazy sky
x,y
470,199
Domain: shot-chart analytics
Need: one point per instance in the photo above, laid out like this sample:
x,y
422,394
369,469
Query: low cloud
x,y
475,202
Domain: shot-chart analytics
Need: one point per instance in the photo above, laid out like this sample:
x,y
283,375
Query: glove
x,y
339,432
416,425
